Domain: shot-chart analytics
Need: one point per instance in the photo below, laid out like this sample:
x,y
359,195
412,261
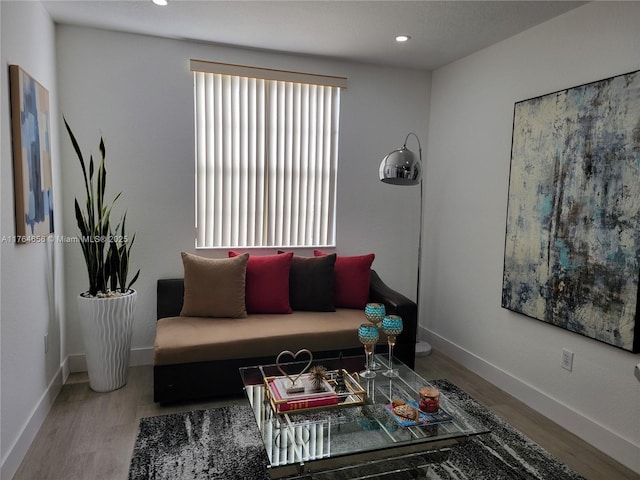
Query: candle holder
x,y
391,326
429,399
368,335
375,312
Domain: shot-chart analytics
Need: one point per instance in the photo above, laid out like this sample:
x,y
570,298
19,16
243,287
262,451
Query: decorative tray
x,y
331,396
425,418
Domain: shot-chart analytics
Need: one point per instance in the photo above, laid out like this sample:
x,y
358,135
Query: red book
x,y
298,404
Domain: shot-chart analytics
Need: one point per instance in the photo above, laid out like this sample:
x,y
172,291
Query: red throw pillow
x,y
267,283
352,278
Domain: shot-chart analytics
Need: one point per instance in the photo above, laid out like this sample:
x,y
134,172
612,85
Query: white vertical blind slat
x,y
217,132
312,164
251,166
327,169
243,174
333,175
279,159
294,195
201,138
208,174
303,165
261,126
272,148
320,168
286,167
224,164
266,162
235,162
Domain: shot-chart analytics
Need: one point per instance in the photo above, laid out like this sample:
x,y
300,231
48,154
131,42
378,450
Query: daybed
x,y
198,357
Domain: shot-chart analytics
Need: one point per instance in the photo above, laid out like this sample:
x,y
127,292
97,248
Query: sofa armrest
x,y
398,304
170,297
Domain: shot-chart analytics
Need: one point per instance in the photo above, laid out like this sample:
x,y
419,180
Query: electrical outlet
x,y
567,359
46,343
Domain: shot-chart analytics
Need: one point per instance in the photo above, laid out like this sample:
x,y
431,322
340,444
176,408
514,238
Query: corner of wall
x,y
16,452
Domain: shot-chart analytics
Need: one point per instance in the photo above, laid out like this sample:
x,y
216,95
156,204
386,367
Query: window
x,y
266,156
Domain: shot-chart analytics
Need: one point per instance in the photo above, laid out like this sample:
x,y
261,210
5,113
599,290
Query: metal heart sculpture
x,y
294,356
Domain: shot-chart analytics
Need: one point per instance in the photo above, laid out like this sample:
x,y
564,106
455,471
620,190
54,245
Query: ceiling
x,y
362,31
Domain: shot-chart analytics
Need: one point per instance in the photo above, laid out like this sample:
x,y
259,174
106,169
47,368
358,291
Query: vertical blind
x,y
266,160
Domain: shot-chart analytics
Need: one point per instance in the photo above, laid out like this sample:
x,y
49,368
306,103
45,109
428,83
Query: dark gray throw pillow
x,y
311,281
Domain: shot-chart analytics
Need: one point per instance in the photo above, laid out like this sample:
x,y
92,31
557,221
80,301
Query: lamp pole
x,y
422,348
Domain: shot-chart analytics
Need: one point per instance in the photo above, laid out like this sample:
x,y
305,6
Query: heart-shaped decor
x,y
294,356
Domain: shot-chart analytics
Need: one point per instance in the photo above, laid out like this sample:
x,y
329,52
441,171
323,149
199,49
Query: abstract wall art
x,y
33,182
572,244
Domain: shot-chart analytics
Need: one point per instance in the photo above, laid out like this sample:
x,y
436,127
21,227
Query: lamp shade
x,y
400,167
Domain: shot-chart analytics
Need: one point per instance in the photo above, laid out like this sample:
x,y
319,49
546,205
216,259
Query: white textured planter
x,y
107,325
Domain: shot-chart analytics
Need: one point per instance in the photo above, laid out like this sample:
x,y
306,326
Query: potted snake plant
x,y
106,308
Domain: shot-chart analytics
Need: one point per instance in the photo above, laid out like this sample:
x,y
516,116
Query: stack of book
x,y
285,399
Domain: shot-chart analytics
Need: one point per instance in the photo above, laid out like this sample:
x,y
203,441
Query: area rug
x,y
225,444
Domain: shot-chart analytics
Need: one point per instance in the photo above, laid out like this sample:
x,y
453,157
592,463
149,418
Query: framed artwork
x,y
572,243
31,157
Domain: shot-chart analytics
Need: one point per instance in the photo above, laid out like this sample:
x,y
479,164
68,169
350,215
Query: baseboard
x,y
597,435
17,451
139,356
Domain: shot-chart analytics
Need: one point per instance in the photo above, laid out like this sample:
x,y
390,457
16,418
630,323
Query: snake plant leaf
x,y
91,172
135,277
103,150
113,258
82,223
76,147
102,182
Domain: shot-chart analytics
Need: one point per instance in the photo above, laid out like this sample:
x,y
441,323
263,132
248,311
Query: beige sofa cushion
x,y
214,287
195,339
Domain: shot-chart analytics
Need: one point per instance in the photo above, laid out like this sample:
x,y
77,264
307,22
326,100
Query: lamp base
x,y
423,349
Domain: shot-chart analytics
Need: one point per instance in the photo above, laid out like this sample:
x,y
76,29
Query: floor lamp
x,y
401,167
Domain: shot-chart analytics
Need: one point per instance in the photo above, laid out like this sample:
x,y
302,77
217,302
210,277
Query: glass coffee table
x,y
360,439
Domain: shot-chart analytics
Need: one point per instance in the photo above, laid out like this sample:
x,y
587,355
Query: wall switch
x,y
567,359
46,343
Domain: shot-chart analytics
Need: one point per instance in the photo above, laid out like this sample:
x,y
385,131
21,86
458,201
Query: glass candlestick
x,y
368,335
375,312
391,326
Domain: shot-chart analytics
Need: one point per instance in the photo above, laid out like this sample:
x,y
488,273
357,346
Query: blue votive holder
x,y
391,326
368,335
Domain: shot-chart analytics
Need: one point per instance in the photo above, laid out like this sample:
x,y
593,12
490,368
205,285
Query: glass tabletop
x,y
344,434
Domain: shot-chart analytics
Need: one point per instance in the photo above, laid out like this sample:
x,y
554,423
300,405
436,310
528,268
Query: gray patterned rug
x,y
225,444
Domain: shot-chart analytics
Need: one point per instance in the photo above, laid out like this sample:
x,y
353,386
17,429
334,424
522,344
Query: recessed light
x,y
162,3
403,38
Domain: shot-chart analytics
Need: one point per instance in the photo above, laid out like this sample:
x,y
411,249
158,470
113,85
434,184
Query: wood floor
x,y
90,436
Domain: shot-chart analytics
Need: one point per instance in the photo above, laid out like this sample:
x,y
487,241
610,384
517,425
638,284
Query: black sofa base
x,y
206,380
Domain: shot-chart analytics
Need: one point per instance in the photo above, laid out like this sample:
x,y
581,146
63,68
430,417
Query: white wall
x,y
466,197
30,378
138,92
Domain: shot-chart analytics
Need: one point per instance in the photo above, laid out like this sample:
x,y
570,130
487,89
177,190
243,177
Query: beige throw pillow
x,y
214,287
